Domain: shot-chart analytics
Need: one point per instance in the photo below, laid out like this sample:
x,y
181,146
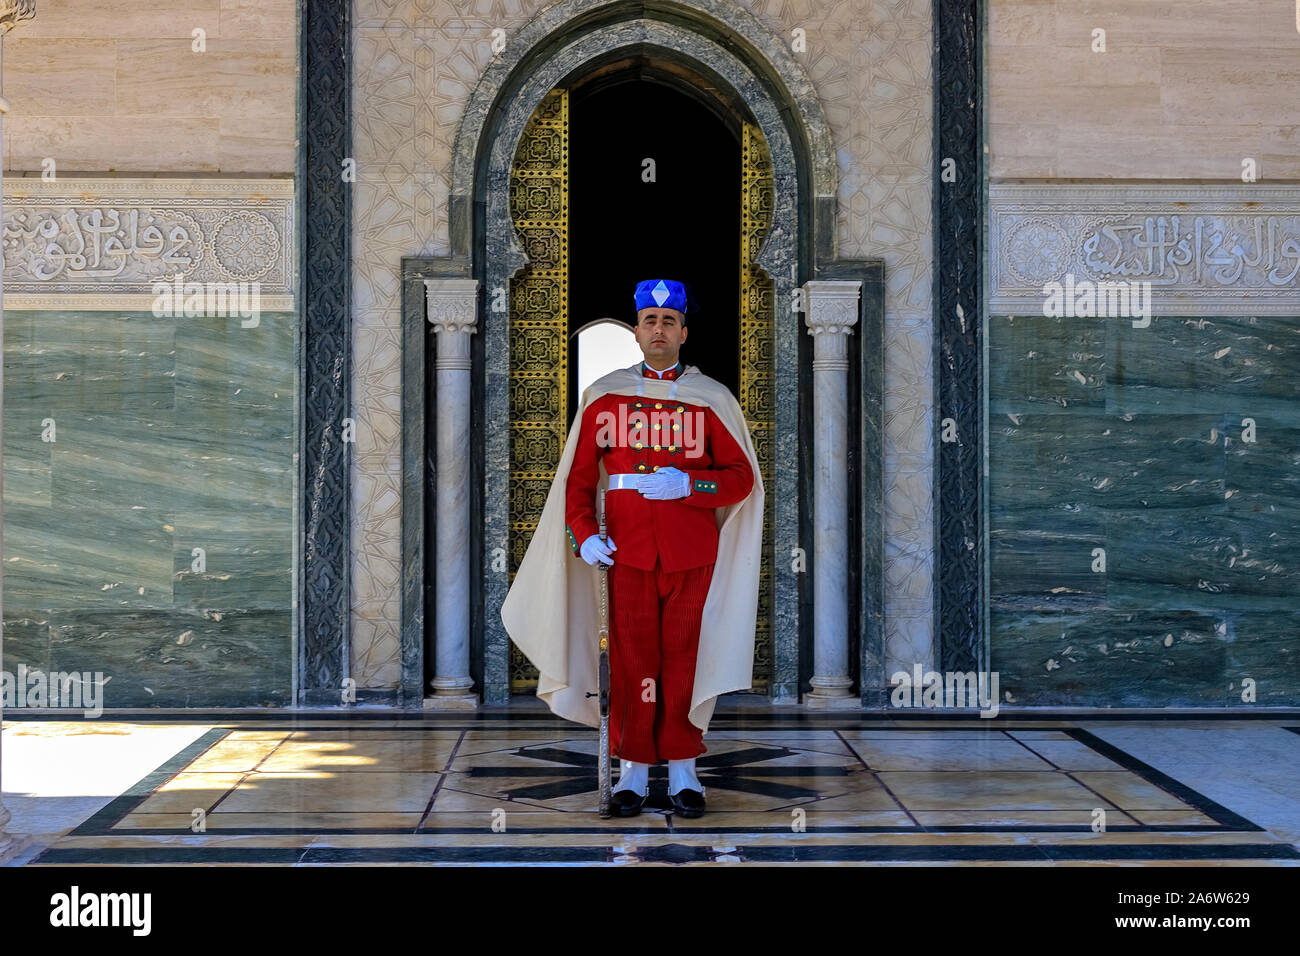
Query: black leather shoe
x,y
626,803
688,803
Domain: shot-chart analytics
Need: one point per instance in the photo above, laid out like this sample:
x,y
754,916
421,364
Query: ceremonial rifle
x,y
603,765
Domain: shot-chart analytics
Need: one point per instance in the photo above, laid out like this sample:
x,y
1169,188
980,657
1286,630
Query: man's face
x,y
660,333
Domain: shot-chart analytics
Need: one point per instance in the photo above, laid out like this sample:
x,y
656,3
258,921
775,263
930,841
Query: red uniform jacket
x,y
682,532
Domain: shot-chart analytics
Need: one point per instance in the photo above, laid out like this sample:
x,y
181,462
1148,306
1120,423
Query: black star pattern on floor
x,y
572,772
675,853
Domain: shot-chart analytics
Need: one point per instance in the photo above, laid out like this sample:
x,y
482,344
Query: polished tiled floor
x,y
518,786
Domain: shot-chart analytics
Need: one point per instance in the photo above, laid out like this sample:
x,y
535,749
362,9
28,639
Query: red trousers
x,y
654,624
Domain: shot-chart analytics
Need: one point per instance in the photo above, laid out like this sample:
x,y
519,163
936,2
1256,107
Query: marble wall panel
x,y
1268,658
170,435
1184,90
1143,453
1111,659
236,79
64,76
191,144
119,88
257,18
88,18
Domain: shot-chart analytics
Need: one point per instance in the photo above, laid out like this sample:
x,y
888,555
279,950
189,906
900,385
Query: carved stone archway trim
x,y
769,64
501,256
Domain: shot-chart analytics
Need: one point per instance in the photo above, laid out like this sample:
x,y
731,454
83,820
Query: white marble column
x,y
453,312
830,311
10,13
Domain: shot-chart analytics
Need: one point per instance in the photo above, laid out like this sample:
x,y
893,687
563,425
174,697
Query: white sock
x,y
633,776
681,776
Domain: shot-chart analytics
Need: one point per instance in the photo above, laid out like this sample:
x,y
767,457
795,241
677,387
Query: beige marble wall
x,y
116,87
870,63
416,62
1185,90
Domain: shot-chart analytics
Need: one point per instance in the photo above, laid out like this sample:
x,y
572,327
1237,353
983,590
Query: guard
x,y
684,506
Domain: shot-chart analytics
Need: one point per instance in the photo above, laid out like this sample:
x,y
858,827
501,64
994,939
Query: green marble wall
x,y
1102,435
171,434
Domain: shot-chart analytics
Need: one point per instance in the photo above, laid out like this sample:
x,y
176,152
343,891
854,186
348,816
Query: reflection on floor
x,y
510,788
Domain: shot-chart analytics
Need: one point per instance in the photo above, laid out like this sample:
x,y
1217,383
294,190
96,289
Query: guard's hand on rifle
x,y
664,484
593,550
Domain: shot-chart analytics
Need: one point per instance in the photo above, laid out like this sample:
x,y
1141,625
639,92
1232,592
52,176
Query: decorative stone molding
x,y
958,257
452,303
14,11
1205,249
77,243
325,285
709,19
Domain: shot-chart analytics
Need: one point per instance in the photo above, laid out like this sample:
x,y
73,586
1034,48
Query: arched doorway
x,y
787,145
654,191
627,173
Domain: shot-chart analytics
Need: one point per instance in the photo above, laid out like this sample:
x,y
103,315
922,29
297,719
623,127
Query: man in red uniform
x,y
670,464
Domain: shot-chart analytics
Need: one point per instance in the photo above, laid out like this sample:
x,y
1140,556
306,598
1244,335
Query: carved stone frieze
x,y
76,243
1204,249
13,11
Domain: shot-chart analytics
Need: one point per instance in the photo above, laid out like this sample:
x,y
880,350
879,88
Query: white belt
x,y
625,479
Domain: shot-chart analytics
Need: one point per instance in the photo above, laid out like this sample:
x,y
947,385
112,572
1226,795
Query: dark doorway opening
x,y
684,225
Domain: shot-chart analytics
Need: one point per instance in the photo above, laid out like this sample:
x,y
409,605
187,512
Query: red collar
x,y
667,376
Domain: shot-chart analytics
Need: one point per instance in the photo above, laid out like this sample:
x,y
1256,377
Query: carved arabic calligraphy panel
x,y
103,243
1205,250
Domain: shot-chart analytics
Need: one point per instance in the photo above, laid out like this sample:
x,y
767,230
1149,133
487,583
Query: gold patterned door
x,y
539,351
539,325
757,374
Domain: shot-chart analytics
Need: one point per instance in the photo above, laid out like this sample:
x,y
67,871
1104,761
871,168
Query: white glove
x,y
664,484
593,549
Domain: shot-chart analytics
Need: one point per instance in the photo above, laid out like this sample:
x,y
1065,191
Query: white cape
x,y
551,611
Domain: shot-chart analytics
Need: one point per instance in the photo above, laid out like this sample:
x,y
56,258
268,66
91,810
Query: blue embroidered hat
x,y
661,293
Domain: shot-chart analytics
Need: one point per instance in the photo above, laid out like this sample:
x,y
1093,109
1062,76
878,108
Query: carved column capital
x,y
453,313
831,305
12,12
830,312
452,304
